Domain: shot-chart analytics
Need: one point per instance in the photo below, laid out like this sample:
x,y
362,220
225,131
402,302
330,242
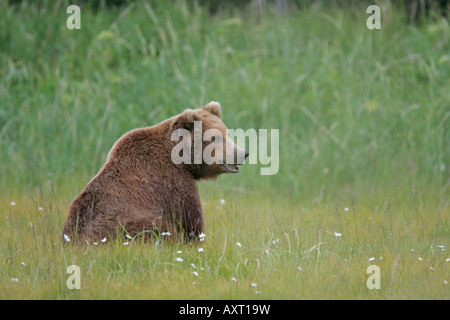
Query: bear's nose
x,y
246,153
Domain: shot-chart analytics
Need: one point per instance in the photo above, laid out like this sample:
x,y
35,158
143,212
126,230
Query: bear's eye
x,y
214,138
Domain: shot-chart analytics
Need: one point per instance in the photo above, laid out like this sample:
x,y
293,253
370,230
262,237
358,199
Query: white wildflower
x,y
66,237
433,269
179,251
371,259
275,241
195,273
201,250
23,264
345,209
126,243
179,259
14,280
222,202
233,279
420,259
165,234
40,208
128,236
254,284
104,240
239,244
445,282
202,236
447,260
299,268
193,266
13,204
337,234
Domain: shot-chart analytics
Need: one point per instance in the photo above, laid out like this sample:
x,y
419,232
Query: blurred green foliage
x,y
356,108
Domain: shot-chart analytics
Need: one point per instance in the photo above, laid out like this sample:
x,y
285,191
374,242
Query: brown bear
x,y
142,191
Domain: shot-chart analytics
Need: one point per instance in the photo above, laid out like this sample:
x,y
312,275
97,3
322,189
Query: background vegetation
x,y
364,146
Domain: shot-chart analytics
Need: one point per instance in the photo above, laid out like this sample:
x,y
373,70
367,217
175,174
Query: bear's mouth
x,y
232,168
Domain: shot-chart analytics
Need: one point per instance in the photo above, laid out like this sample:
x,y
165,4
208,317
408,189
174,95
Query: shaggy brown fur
x,y
140,191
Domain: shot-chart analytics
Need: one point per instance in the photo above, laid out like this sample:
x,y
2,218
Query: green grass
x,y
289,249
364,124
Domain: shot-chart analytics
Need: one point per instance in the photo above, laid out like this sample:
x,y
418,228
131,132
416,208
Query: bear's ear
x,y
214,108
185,120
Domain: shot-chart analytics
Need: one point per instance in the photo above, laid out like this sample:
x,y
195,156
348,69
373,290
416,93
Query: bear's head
x,y
205,148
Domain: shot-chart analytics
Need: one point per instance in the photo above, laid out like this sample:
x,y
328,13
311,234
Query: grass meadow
x,y
364,157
